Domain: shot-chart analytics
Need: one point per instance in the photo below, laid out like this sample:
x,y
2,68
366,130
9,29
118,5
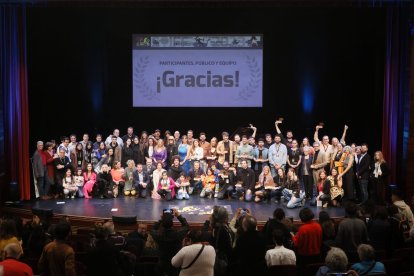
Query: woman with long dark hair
x,y
348,174
336,191
127,153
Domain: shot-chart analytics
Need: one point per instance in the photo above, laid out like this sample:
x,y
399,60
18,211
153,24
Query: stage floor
x,y
195,209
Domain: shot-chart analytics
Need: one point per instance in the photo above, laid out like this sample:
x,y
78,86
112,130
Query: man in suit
x,y
363,162
325,148
141,181
61,163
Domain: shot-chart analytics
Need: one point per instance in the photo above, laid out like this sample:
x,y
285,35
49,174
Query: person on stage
x,y
279,180
77,157
277,155
289,134
209,184
129,189
160,153
156,176
196,153
363,162
225,149
108,160
166,187
190,137
260,157
175,169
211,156
245,152
196,175
130,135
172,151
69,186
137,155
62,164
98,141
336,190
347,175
116,148
320,161
325,149
182,184
337,160
323,189
90,180
226,181
306,172
117,174
379,177
305,143
149,149
40,170
73,142
104,182
79,182
246,182
177,139
291,191
127,152
141,182
98,154
236,145
110,138
206,150
184,152
266,187
294,156
88,155
65,146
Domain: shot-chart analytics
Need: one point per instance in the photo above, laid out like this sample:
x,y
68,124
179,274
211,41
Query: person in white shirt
x,y
196,152
279,255
118,139
195,258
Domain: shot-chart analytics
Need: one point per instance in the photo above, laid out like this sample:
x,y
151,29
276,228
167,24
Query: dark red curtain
x,y
14,85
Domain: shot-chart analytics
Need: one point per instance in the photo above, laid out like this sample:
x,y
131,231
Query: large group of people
x,y
223,246
176,166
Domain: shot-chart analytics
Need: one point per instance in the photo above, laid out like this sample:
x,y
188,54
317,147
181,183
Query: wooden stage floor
x,y
149,210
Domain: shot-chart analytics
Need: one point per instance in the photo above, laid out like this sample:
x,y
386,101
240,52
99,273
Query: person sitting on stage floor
x,y
149,167
69,186
90,178
182,185
129,189
104,183
209,184
175,169
279,181
166,187
323,188
291,191
117,174
265,187
226,181
169,240
141,180
79,181
246,182
156,176
196,175
336,190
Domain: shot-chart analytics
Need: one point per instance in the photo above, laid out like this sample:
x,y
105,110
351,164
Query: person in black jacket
x,y
141,182
127,153
226,181
276,223
246,182
62,164
104,183
363,170
169,240
172,151
175,169
249,252
379,177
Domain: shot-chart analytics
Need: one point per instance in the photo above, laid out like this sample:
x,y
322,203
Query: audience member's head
x,y
109,225
195,236
351,209
249,223
7,229
397,195
392,210
324,216
279,214
366,252
13,250
219,217
167,220
306,215
336,260
101,232
62,230
278,237
381,213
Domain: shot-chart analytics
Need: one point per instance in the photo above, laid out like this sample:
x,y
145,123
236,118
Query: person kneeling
x,y
141,181
166,187
209,184
182,185
69,186
291,192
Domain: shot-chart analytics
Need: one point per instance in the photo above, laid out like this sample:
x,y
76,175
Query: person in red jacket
x,y
308,240
11,265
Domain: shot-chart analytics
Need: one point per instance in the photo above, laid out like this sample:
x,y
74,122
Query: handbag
x,y
195,259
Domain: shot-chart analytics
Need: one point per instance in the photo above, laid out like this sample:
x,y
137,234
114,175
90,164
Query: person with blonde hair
x,y
347,174
160,153
379,177
265,187
129,178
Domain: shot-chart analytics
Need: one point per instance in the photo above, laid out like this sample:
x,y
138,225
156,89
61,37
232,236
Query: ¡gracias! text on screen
x,y
170,79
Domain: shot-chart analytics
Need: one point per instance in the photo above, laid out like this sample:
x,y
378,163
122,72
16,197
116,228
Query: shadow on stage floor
x,y
195,209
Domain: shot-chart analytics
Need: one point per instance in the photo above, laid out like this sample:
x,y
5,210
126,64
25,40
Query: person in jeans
x,y
246,178
291,191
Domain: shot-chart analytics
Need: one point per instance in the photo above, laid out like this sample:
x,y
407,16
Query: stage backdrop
x,y
318,65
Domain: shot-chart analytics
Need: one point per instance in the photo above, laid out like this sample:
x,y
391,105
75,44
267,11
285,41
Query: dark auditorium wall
x,y
80,79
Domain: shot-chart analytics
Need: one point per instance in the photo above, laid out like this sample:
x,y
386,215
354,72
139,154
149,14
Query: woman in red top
x,y
308,239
